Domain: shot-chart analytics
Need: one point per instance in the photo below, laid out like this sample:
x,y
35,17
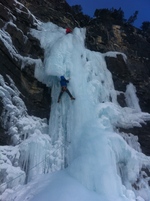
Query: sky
x,y
128,6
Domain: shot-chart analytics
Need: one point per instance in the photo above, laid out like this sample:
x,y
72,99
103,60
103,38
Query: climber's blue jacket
x,y
63,81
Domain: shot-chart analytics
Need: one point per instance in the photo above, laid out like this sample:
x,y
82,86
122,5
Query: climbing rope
x,y
23,173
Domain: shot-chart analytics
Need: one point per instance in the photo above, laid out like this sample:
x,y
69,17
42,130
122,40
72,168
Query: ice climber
x,y
68,30
63,83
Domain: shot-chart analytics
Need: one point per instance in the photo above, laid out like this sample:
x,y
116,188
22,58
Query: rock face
x,y
128,40
34,94
101,36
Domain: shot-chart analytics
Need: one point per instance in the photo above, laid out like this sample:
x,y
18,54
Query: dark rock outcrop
x,y
101,36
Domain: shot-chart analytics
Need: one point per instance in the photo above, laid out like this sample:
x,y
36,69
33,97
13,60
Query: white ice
x,y
131,98
97,163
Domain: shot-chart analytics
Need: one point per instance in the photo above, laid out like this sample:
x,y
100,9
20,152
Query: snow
x,y
32,146
7,42
60,186
78,154
11,175
114,54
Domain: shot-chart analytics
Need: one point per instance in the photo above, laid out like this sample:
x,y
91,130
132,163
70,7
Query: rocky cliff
x,y
18,17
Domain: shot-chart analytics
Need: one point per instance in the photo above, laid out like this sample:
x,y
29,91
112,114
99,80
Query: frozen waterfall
x,y
89,158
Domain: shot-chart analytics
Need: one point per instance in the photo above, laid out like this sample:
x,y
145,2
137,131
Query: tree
x,y
102,13
146,27
133,17
112,14
117,14
77,9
